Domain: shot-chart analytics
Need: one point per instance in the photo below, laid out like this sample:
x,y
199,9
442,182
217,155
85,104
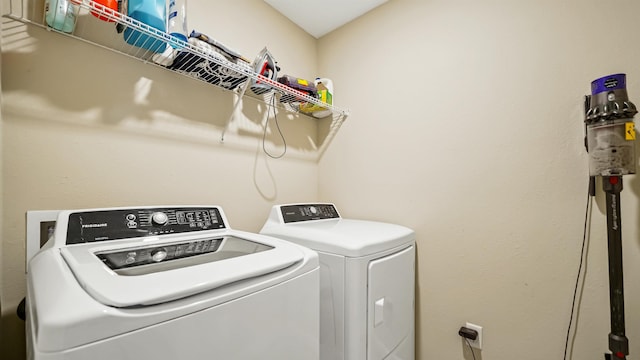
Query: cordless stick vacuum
x,y
611,147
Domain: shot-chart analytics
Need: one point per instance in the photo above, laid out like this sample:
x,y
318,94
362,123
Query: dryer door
x,y
390,324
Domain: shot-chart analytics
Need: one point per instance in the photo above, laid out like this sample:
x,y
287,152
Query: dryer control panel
x,y
93,226
306,212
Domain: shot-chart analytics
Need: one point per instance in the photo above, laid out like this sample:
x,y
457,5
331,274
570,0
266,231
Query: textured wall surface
x,y
467,126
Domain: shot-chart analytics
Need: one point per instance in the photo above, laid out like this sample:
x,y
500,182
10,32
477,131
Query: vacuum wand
x,y
618,342
611,146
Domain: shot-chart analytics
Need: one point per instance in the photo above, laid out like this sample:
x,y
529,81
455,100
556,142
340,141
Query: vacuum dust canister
x,y
610,128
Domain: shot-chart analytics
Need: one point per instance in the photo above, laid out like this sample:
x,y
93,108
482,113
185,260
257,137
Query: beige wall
x,y
467,126
84,127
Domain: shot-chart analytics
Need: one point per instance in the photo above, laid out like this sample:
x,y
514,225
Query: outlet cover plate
x,y
477,343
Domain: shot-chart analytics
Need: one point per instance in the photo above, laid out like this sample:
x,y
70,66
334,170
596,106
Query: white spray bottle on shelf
x,y
177,28
178,20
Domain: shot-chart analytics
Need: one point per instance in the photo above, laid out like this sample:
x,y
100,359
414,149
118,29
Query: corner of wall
x,y
1,178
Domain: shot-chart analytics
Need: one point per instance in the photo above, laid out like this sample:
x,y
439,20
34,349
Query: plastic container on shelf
x,y
325,94
611,134
298,86
109,7
611,150
61,14
150,12
177,26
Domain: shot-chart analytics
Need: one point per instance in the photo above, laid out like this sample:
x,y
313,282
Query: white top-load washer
x,y
169,283
367,280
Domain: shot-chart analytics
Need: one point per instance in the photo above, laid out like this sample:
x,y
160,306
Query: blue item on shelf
x,y
150,12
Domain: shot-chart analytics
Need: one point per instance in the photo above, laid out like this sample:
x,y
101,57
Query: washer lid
x,y
104,274
348,237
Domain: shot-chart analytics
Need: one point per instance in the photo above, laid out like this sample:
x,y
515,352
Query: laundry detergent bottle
x,y
109,7
61,14
152,13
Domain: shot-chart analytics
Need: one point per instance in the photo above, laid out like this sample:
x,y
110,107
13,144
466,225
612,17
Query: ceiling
x,y
320,17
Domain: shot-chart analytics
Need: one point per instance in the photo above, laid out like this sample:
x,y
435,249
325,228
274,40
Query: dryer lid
x,y
105,272
348,237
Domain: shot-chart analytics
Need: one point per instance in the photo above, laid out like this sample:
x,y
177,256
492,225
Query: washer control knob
x,y
131,258
158,254
159,218
313,210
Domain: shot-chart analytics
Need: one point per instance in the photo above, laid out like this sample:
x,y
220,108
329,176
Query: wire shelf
x,y
138,40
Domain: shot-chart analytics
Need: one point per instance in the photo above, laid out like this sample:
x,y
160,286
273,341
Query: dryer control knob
x,y
159,218
313,210
158,254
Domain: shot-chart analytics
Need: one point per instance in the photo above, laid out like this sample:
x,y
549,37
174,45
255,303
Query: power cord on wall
x,y
272,105
471,348
583,254
467,334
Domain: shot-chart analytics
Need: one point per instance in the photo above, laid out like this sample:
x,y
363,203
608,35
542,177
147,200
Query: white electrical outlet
x,y
477,343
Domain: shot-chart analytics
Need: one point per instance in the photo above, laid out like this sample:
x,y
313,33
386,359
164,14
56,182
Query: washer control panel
x,y
150,255
306,212
93,226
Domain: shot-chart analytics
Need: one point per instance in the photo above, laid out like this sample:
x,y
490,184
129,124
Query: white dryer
x,y
169,283
367,280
